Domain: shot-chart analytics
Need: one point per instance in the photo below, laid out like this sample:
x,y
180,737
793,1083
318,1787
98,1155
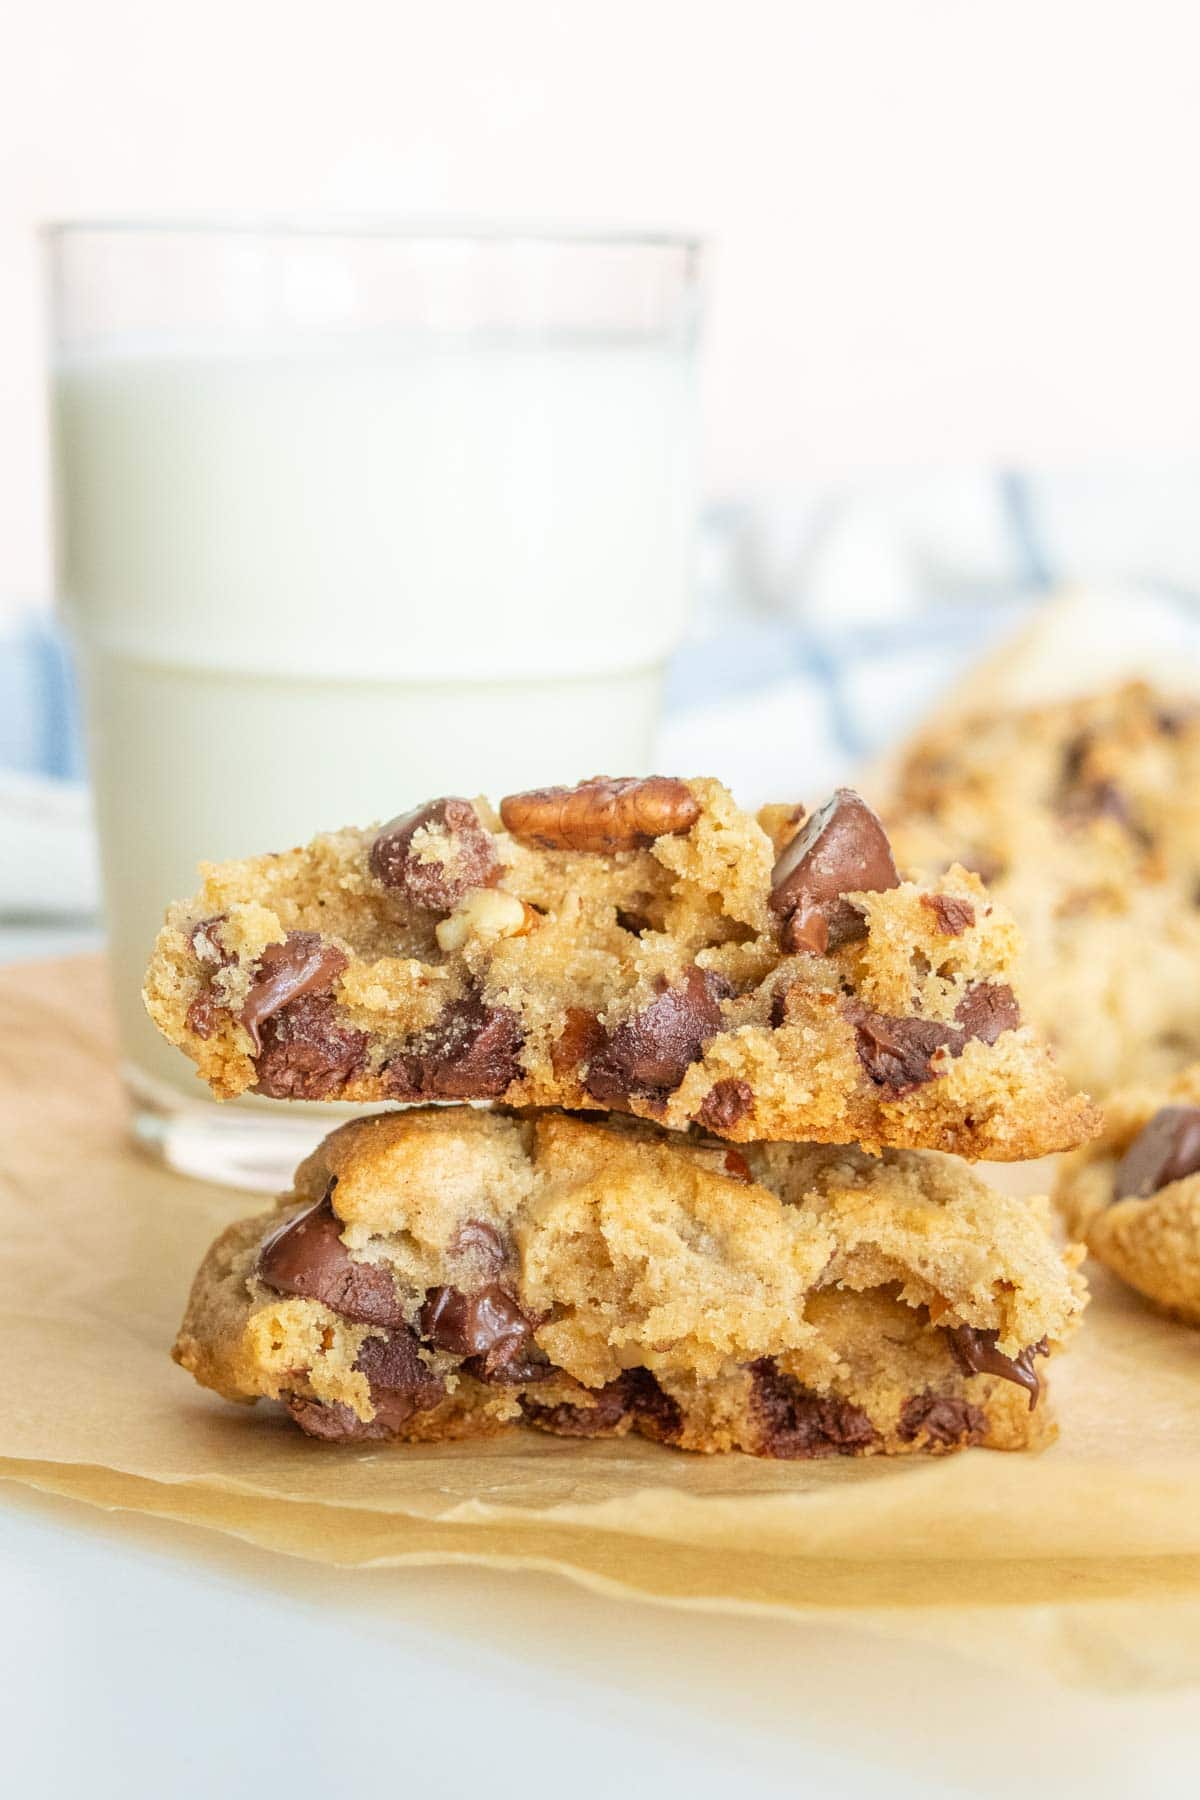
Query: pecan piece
x,y
602,815
455,854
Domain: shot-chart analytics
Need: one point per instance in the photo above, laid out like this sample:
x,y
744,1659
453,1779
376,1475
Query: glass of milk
x,y
349,517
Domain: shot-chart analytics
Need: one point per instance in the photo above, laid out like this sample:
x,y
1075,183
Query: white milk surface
x,y
434,507
316,588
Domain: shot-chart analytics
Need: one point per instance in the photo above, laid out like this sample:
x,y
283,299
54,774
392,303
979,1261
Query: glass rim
x,y
416,231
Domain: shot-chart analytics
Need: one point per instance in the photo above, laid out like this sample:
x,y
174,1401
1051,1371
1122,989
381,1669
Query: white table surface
x,y
150,1661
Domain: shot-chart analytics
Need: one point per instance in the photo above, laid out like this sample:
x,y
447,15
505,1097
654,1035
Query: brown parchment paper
x,y
1086,1558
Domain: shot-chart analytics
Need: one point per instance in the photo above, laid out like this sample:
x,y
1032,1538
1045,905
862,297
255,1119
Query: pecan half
x,y
602,815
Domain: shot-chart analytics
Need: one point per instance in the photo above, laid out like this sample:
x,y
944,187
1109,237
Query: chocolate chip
x,y
650,1054
985,1011
472,1324
511,1364
306,1256
953,915
306,1053
898,1053
476,1239
1166,1149
465,854
655,1413
975,1353
334,1423
205,1014
634,1398
578,1041
796,1423
606,1414
941,1419
208,948
401,1384
842,849
469,1053
303,964
726,1104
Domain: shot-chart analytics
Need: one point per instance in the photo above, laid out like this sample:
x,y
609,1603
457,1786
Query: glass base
x,y
229,1143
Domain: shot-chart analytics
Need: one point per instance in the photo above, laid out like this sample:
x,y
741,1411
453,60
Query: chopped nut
x,y
602,815
486,913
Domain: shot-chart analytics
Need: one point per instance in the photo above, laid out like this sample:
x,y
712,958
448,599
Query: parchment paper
x,y
1086,1558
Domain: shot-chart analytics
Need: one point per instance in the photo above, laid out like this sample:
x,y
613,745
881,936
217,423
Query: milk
x,y
316,583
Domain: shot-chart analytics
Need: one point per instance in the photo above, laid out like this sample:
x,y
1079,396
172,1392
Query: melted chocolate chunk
x,y
898,1054
726,1104
481,1242
1165,1150
634,1398
941,1419
953,915
469,1053
473,1324
796,1424
306,1053
650,1054
737,1166
842,849
306,1256
333,1422
975,1353
302,964
401,1386
470,855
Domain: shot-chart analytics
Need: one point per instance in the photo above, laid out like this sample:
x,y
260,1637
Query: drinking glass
x,y
349,517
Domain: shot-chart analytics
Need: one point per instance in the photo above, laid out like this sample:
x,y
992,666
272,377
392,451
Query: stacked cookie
x,y
1084,816
636,977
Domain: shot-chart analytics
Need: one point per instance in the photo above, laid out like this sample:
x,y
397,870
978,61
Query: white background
x,y
943,229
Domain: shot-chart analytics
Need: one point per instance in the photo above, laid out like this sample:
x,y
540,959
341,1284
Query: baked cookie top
x,y
1134,1195
640,945
541,1258
1084,819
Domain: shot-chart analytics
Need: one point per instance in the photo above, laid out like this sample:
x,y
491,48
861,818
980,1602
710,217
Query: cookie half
x,y
635,945
450,1272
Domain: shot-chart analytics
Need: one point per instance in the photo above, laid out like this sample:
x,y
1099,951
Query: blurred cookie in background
x,y
1083,816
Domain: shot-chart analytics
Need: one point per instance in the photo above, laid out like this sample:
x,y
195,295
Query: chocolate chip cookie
x,y
1134,1195
449,1271
1084,819
636,945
